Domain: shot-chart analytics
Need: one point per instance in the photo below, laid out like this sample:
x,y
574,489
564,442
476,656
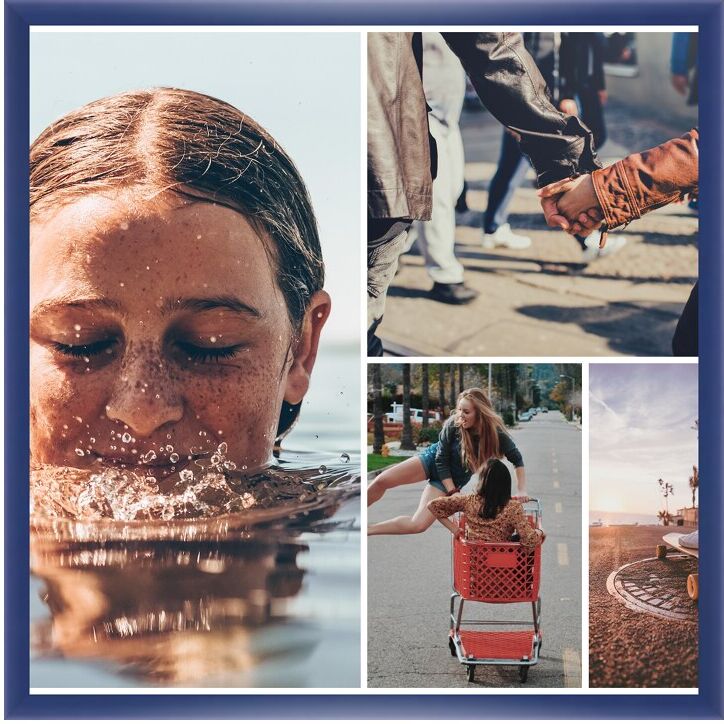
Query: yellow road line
x,y
562,554
571,668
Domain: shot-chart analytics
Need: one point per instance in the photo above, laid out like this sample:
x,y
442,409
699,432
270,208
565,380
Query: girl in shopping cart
x,y
472,435
491,514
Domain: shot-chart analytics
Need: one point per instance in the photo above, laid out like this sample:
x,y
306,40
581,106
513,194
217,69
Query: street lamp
x,y
573,393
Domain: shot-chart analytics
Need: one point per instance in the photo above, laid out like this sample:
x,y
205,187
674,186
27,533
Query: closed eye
x,y
85,350
208,354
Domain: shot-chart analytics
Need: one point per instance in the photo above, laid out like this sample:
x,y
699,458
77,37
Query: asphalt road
x,y
409,579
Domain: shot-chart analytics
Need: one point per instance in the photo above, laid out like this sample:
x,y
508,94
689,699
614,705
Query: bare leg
x,y
417,523
404,473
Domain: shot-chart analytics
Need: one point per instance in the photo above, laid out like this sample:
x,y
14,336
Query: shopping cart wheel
x,y
523,674
451,644
471,672
692,586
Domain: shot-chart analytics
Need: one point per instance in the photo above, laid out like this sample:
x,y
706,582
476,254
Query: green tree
x,y
406,443
378,414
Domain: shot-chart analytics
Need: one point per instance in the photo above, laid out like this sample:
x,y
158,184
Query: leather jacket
x,y
645,181
400,151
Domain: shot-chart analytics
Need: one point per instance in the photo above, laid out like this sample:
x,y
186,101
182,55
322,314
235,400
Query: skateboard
x,y
672,540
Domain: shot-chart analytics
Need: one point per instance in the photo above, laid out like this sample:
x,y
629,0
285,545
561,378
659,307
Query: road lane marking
x,y
556,484
559,508
555,470
563,554
571,668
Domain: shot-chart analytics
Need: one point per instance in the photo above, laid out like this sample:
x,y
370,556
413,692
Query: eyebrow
x,y
192,304
197,304
63,303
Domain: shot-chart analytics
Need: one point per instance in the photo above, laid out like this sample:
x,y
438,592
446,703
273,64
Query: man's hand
x,y
568,106
680,83
572,205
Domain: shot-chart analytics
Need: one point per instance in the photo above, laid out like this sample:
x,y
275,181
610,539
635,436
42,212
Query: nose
x,y
145,396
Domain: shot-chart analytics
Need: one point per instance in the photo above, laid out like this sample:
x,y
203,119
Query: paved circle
x,y
656,587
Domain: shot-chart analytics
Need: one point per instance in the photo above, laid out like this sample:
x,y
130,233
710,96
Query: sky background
x,y
304,88
641,417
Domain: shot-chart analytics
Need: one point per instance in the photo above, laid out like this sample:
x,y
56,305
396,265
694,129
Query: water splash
x,y
211,489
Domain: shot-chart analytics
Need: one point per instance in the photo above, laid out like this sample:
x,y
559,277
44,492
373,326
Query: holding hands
x,y
572,205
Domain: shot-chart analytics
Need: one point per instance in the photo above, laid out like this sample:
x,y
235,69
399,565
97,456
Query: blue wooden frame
x,y
19,16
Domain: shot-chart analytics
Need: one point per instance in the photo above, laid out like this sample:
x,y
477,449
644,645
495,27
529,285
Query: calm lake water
x,y
236,601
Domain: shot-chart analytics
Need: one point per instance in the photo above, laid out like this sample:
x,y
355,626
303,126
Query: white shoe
x,y
614,243
691,540
503,236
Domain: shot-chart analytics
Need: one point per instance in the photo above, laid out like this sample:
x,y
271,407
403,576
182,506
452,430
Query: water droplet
x,y
150,456
212,339
345,458
92,440
223,447
219,432
158,397
168,436
173,457
186,475
77,327
202,434
65,427
122,284
322,469
79,452
126,437
86,359
169,448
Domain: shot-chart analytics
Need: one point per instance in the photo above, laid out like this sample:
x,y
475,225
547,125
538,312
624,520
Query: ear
x,y
305,352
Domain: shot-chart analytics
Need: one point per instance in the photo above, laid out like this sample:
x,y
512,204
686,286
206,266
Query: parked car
x,y
525,417
544,409
415,414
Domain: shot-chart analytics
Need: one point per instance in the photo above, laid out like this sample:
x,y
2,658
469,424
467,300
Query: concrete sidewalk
x,y
544,300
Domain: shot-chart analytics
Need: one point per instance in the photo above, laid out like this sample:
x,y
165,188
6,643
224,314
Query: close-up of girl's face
x,y
466,413
158,331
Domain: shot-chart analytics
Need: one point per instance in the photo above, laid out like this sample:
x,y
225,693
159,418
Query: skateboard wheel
x,y
523,674
661,552
471,672
692,586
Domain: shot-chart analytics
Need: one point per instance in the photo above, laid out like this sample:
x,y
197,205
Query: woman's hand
x,y
571,204
459,533
568,106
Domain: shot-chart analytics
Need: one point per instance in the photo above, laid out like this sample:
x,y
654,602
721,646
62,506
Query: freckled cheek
x,y
243,403
64,410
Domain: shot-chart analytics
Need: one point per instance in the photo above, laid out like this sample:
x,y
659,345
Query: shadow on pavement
x,y
629,330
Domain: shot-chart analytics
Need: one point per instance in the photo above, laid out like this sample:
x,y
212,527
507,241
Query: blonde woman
x,y
472,435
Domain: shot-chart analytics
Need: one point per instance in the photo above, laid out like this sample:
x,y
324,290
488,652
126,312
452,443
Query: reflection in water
x,y
187,601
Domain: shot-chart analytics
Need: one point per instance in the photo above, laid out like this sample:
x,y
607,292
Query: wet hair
x,y
480,441
171,140
494,488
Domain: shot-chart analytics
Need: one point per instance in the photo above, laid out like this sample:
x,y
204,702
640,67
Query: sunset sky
x,y
641,419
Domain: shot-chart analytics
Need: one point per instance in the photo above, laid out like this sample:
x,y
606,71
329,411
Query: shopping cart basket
x,y
496,573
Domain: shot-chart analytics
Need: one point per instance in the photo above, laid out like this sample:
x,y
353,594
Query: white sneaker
x,y
614,243
504,236
691,540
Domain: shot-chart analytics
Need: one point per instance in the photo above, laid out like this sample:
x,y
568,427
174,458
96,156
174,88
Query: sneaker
x,y
690,540
614,243
452,293
504,236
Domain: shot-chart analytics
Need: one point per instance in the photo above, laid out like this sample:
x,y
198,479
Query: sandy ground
x,y
628,648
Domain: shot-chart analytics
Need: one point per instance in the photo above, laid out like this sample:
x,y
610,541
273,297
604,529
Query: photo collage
x,y
247,474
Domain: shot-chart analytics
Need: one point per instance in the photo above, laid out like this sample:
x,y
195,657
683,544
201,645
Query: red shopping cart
x,y
496,573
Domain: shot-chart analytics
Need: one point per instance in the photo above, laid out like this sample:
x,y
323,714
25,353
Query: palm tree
x,y
377,412
666,490
664,516
425,395
441,387
406,443
694,485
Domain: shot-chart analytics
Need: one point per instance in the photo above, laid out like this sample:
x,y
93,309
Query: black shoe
x,y
452,293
